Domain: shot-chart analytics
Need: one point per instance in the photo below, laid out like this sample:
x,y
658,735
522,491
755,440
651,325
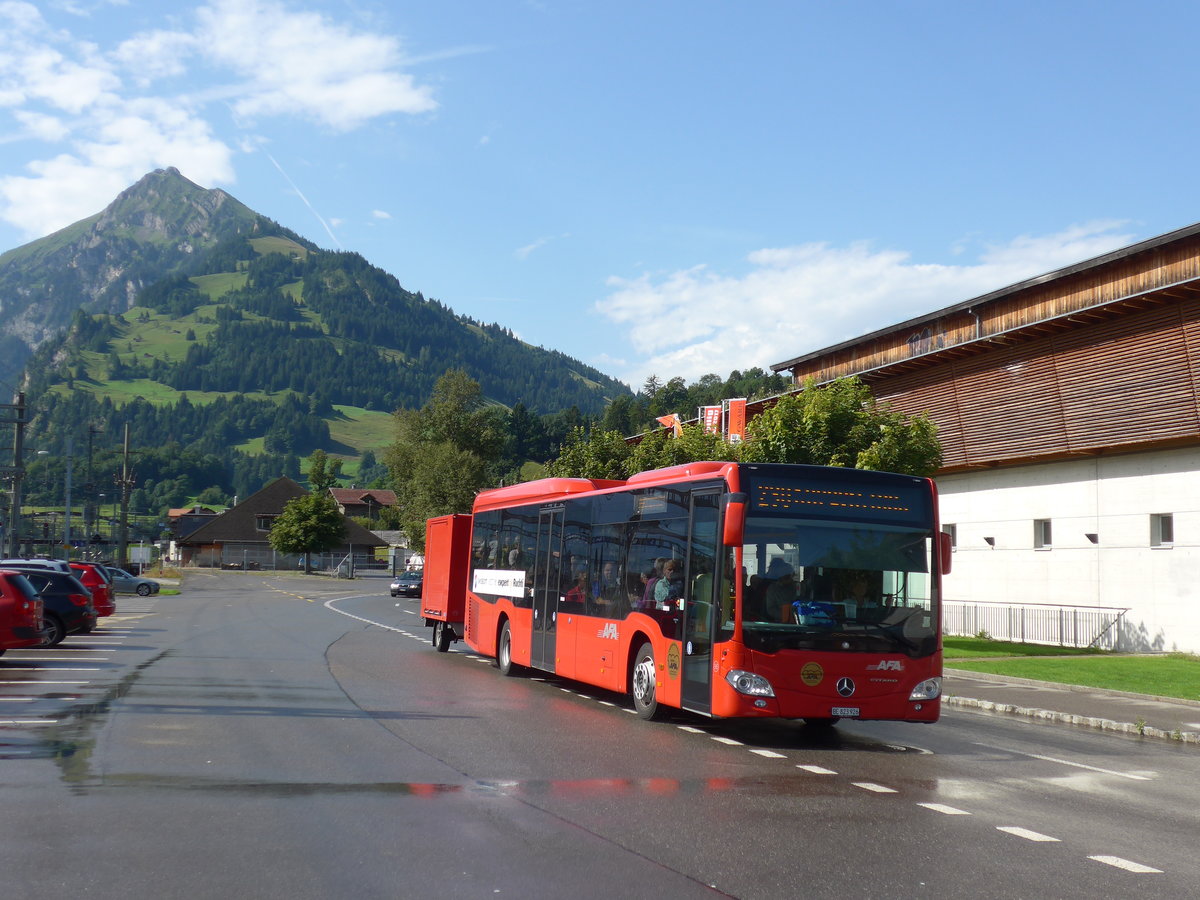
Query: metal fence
x,y
1060,625
255,558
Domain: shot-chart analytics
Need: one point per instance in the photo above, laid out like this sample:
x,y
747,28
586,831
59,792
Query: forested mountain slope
x,y
207,327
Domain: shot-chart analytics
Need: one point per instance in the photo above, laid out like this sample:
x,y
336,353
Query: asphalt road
x,y
288,736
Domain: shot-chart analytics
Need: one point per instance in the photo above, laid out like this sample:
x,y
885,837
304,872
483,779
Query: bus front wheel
x,y
504,652
642,683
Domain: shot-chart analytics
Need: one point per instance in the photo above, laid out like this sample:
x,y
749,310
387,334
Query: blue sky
x,y
669,188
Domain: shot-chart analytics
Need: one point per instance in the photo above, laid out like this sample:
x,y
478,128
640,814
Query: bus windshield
x,y
828,585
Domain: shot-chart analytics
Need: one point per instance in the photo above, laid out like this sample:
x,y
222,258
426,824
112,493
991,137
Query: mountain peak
x,y
153,228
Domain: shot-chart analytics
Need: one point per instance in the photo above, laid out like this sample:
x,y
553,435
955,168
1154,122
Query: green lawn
x,y
1161,675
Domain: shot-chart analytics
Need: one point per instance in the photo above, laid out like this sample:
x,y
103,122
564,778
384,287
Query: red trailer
x,y
447,565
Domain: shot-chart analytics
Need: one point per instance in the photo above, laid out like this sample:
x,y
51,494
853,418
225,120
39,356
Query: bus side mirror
x,y
945,549
735,520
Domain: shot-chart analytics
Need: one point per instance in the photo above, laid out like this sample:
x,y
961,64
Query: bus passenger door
x,y
703,608
547,585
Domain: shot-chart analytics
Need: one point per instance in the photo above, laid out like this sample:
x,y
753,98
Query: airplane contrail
x,y
311,208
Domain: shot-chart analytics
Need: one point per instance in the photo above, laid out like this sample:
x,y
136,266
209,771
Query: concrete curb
x,y
1046,715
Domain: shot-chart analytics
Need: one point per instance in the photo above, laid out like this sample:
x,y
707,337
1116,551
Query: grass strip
x,y
1170,675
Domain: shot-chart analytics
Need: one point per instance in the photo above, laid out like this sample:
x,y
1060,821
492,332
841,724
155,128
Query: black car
x,y
66,603
407,584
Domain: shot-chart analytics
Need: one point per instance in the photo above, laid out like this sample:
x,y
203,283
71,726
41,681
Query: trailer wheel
x,y
441,636
504,652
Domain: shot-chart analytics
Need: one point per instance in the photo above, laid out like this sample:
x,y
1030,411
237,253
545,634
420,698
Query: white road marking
x,y
817,770
872,786
1066,762
28,721
1026,833
1126,865
945,810
769,754
730,741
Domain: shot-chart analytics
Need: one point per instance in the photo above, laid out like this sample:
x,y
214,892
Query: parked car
x,y
96,579
407,584
125,583
66,604
20,612
36,562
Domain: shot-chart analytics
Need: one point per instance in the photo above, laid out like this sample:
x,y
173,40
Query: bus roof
x,y
542,489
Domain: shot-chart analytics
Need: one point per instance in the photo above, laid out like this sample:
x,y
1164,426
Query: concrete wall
x,y
1111,497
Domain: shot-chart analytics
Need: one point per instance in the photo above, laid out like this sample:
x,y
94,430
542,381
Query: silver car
x,y
125,583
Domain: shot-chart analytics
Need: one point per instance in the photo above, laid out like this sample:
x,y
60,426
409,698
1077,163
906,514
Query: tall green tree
x,y
841,424
445,453
838,424
323,472
307,525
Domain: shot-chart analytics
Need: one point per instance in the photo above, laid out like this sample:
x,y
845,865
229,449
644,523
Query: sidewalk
x,y
1137,714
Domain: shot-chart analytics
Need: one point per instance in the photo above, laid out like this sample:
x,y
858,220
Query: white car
x,y
125,583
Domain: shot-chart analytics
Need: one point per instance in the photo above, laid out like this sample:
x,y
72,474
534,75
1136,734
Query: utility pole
x,y
125,481
16,472
90,514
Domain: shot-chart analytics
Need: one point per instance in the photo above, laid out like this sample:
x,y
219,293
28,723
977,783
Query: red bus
x,y
725,589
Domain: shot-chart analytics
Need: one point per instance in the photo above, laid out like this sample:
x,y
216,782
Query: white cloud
x,y
380,214
300,62
795,300
528,249
107,129
155,54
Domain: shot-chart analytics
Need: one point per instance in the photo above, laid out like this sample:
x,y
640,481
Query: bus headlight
x,y
750,684
929,689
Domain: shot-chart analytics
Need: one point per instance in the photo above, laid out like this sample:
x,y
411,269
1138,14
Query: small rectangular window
x,y
264,523
1041,534
1162,530
952,530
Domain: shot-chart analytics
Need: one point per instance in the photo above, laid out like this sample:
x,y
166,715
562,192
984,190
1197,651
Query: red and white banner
x,y
736,421
711,417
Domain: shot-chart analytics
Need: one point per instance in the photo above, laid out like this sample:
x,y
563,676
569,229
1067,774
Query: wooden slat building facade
x,y
1097,361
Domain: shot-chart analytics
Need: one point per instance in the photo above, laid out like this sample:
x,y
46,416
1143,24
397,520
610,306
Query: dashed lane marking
x,y
944,809
1026,833
1126,865
873,787
817,770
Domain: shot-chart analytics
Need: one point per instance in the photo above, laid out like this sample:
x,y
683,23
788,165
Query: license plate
x,y
845,712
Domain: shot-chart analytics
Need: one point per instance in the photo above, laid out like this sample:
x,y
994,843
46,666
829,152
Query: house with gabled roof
x,y
238,537
184,520
362,503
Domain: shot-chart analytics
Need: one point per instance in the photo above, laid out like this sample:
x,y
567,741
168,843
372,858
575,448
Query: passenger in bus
x,y
606,590
651,581
669,588
575,599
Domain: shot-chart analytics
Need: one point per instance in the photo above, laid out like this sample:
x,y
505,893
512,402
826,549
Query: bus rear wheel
x,y
504,652
642,683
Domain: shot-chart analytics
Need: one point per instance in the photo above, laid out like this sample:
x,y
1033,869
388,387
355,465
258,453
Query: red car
x,y
96,580
20,612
